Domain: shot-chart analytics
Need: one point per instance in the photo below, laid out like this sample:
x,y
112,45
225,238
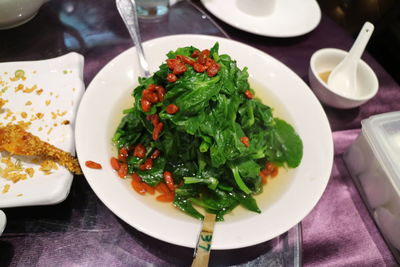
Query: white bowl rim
x,y
371,72
3,221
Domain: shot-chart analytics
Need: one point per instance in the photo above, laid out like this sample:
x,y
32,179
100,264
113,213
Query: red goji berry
x,y
195,53
123,170
169,180
155,154
213,70
146,104
151,96
245,140
199,67
139,151
186,60
147,165
92,164
157,131
151,87
137,184
202,58
160,92
115,164
171,78
248,94
172,63
166,197
179,68
172,109
123,154
154,118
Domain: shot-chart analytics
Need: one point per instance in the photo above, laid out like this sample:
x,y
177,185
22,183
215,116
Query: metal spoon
x,y
343,78
127,10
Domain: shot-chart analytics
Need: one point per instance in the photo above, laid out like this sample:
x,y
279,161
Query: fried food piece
x,y
15,140
2,102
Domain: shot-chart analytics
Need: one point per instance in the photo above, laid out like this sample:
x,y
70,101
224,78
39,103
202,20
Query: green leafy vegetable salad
x,y
198,136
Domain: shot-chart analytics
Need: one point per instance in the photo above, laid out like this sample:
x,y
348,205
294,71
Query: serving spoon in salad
x,y
127,10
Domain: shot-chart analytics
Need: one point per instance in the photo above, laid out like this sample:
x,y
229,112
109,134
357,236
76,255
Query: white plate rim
x,y
299,22
184,237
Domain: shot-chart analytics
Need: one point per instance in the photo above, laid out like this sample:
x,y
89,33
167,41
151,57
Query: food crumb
x,y
2,102
30,171
28,103
9,114
20,195
30,90
13,170
20,87
66,122
47,165
24,115
48,102
24,125
58,113
39,115
6,187
39,92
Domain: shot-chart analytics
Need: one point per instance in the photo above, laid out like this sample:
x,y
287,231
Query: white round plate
x,y
289,18
110,92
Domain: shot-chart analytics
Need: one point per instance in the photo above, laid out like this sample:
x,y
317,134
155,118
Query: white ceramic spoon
x,y
3,221
343,78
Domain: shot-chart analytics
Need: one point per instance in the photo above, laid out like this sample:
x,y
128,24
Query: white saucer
x,y
290,18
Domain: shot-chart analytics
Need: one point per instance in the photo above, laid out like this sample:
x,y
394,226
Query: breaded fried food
x,y
15,140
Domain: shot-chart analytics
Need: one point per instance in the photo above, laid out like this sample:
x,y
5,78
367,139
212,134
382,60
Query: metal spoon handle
x,y
127,10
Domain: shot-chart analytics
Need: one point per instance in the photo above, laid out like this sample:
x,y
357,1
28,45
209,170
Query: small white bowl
x,y
16,12
327,59
3,221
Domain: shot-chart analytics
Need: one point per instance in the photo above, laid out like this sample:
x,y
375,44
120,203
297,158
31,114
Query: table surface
x,y
81,231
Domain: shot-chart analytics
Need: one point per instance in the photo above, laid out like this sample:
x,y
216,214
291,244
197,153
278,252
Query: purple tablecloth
x,y
81,231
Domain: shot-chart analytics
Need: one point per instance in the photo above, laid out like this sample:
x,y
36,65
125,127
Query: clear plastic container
x,y
373,161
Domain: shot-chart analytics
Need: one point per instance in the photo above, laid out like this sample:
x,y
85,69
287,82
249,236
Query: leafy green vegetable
x,y
202,144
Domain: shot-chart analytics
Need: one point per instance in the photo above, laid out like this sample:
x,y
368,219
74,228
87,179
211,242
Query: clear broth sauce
x,y
325,75
271,191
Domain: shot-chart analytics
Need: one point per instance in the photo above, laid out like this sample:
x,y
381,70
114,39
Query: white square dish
x,y
43,96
